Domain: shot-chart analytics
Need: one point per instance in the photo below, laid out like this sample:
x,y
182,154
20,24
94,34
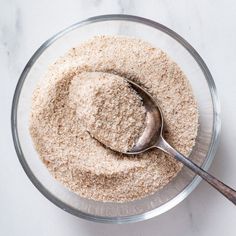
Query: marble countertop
x,y
207,25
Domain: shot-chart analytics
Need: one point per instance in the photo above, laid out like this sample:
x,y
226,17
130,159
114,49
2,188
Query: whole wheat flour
x,y
80,162
110,110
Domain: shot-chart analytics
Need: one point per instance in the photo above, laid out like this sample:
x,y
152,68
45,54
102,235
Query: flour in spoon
x,y
109,108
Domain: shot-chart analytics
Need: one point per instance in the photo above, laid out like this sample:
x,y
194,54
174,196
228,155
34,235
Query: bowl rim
x,y
215,128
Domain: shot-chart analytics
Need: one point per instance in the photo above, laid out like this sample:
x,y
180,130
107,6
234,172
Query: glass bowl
x,y
204,90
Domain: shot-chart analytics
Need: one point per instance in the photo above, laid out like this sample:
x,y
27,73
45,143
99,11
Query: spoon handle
x,y
217,184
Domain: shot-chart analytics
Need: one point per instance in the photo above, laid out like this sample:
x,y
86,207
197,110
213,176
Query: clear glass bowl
x,y
203,87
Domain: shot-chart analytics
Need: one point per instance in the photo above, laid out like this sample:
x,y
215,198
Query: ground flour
x,y
76,159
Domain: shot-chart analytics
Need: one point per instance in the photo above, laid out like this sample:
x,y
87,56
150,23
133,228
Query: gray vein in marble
x,y
18,23
125,6
189,211
96,3
10,36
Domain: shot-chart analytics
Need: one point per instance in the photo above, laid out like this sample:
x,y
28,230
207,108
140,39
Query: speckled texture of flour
x,y
110,110
77,160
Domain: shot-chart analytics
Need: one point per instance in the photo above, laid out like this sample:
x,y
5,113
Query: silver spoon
x,y
152,137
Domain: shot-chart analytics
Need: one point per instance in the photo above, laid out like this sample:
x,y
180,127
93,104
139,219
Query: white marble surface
x,y
210,26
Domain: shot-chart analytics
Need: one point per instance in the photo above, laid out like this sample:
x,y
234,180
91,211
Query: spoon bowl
x,y
154,122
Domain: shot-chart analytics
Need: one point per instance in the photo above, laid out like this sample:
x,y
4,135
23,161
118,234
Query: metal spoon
x,y
152,137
